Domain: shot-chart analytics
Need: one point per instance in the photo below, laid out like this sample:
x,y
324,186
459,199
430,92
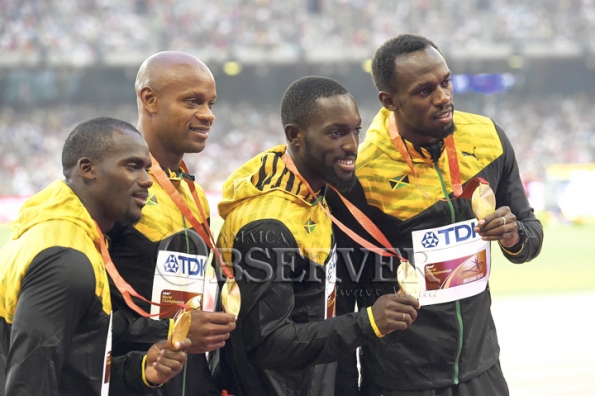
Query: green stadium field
x,y
563,265
4,233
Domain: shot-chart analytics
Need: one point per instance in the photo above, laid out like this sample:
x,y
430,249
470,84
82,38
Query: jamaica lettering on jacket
x,y
260,237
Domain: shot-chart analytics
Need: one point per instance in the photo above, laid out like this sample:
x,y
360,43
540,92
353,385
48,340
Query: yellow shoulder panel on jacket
x,y
18,255
391,186
162,218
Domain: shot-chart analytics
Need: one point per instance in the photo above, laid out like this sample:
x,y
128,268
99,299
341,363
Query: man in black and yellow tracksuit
x,y
279,240
273,223
55,307
452,348
163,256
165,260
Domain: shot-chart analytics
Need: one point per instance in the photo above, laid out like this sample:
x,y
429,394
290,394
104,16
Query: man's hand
x,y
394,312
162,363
499,225
209,330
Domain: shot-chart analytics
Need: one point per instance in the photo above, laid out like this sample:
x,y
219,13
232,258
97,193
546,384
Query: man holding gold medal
x,y
55,310
278,236
441,184
164,256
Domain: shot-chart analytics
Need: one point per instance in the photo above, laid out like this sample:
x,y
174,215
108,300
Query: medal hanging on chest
x,y
230,295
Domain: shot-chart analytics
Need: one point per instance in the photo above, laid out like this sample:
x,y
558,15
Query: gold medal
x,y
181,327
230,297
195,302
483,201
408,279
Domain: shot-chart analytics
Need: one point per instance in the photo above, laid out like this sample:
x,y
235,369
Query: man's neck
x,y
91,206
315,183
171,162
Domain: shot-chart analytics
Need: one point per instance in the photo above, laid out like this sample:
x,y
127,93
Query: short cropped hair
x,y
384,71
298,102
92,139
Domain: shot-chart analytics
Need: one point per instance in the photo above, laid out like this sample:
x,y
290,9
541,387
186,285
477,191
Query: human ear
x,y
148,97
293,135
387,100
86,169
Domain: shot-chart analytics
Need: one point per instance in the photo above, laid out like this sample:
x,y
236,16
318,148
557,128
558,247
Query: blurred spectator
x,y
89,30
543,131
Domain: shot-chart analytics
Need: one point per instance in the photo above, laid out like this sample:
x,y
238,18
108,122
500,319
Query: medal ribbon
x,y
124,287
453,162
364,220
175,196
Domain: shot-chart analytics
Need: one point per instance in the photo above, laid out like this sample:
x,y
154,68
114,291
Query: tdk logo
x,y
449,236
430,240
184,265
171,264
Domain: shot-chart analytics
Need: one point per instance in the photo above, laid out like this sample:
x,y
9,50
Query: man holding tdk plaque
x,y
416,169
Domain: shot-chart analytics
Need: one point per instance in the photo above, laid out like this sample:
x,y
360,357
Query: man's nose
x,y
206,114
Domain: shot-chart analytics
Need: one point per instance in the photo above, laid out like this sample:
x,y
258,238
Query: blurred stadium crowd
x,y
94,29
542,130
55,65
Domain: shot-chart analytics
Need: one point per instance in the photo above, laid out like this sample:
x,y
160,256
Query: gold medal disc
x,y
195,302
483,201
230,297
181,327
408,279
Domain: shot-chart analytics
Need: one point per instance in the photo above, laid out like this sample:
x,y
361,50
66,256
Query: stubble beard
x,y
130,218
328,173
438,133
342,185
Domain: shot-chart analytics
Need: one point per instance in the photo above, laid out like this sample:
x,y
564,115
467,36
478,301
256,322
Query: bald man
x,y
163,256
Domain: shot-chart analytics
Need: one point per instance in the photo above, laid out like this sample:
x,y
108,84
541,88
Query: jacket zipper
x,y
457,303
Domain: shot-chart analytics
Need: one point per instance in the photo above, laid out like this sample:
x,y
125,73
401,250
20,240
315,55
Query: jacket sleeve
x,y
278,331
511,193
356,267
56,292
132,252
126,376
139,330
363,276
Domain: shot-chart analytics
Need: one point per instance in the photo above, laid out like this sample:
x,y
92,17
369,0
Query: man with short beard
x,y
417,157
55,307
279,239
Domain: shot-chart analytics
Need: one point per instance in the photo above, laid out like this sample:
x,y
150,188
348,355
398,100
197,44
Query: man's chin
x,y
130,219
343,185
196,147
438,133
444,132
